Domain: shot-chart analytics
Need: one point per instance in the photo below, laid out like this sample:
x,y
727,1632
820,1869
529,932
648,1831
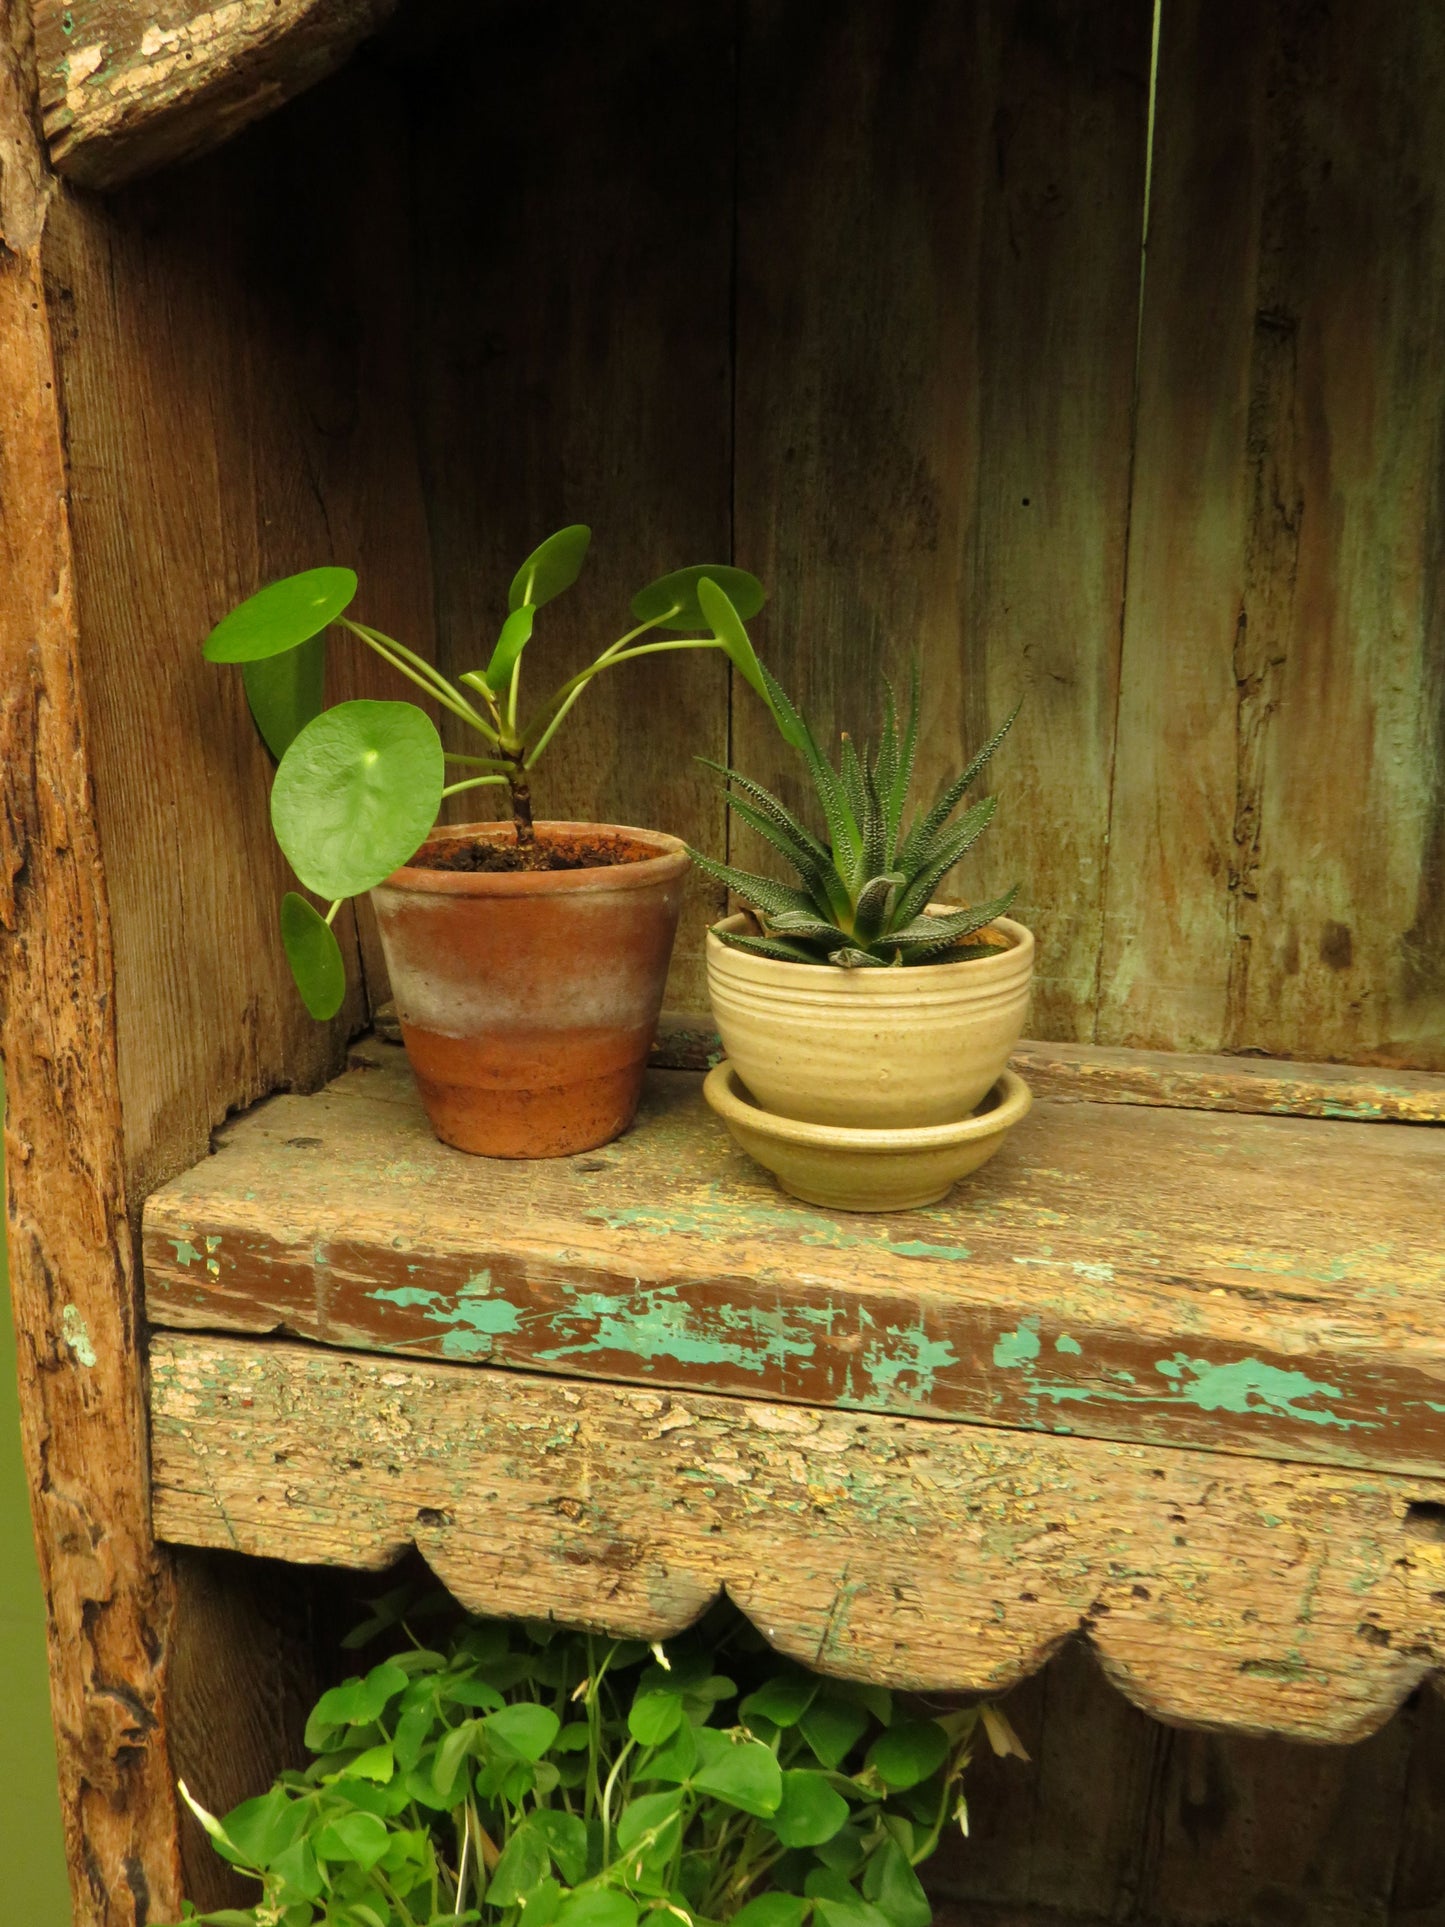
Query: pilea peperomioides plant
x,y
863,896
360,785
529,1777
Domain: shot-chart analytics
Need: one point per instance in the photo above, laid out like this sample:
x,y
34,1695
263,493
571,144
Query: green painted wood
x,y
1219,1591
1256,1284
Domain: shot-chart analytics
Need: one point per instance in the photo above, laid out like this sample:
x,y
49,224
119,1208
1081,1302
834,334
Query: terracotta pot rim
x,y
722,1087
873,982
646,873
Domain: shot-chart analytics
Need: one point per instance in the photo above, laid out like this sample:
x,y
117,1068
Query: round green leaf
x,y
516,634
356,794
554,565
832,1727
783,1699
672,601
356,1837
525,1861
653,1717
286,692
772,1910
810,1811
526,1729
908,1752
892,1884
597,1907
746,1776
281,617
314,956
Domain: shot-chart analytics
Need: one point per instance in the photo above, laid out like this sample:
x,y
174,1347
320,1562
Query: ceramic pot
x,y
528,999
870,1049
844,1170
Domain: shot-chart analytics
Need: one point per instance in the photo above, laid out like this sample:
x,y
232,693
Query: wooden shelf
x,y
1253,1284
1195,1364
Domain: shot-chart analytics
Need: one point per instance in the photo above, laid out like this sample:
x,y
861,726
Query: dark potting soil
x,y
547,853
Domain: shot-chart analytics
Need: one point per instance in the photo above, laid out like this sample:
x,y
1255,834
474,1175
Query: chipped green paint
x,y
920,1248
1019,1347
907,1353
656,1323
74,1331
1101,1274
186,1253
1246,1386
717,1216
473,1321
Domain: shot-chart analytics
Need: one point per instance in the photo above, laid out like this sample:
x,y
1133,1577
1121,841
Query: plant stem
x,y
573,687
440,690
607,1798
331,913
473,783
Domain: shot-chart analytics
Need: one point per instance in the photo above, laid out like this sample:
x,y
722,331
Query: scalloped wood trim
x,y
127,86
1218,1592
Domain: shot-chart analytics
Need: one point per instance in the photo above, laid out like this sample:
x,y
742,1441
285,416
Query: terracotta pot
x,y
870,1049
528,999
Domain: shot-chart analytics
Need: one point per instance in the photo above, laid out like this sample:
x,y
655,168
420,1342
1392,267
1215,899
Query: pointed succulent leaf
x,y
849,957
773,899
554,565
770,806
355,795
821,882
285,692
843,832
800,924
314,956
877,856
516,633
851,771
773,947
281,616
927,827
874,910
885,763
673,601
726,624
950,845
927,934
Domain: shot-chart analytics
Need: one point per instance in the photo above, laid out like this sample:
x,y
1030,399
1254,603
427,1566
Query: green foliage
x,y
359,786
522,1775
863,890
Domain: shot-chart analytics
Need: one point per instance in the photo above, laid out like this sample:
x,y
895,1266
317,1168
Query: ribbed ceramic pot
x,y
528,999
870,1049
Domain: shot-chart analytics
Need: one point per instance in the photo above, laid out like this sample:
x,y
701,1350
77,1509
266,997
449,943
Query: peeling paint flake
x,y
76,1335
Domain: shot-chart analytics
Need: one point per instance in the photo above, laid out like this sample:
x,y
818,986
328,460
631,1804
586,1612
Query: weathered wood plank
x,y
938,258
109,1598
1266,1285
1177,1080
1218,1591
1277,875
573,366
235,381
127,86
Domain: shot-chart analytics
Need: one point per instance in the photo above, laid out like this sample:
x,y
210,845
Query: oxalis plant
x,y
360,785
529,1777
862,896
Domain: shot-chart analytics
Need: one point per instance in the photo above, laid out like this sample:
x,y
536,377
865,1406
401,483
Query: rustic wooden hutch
x,y
864,295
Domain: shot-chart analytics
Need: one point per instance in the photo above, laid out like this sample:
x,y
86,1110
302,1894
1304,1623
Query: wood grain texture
x,y
109,1599
1217,1591
235,380
938,252
1119,1819
1277,879
127,86
1265,1285
573,358
1101,1074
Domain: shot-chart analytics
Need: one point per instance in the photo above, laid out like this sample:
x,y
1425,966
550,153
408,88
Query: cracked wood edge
x,y
127,86
1216,1591
109,1598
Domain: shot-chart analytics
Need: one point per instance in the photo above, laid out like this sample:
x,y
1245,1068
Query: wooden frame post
x,y
109,1594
